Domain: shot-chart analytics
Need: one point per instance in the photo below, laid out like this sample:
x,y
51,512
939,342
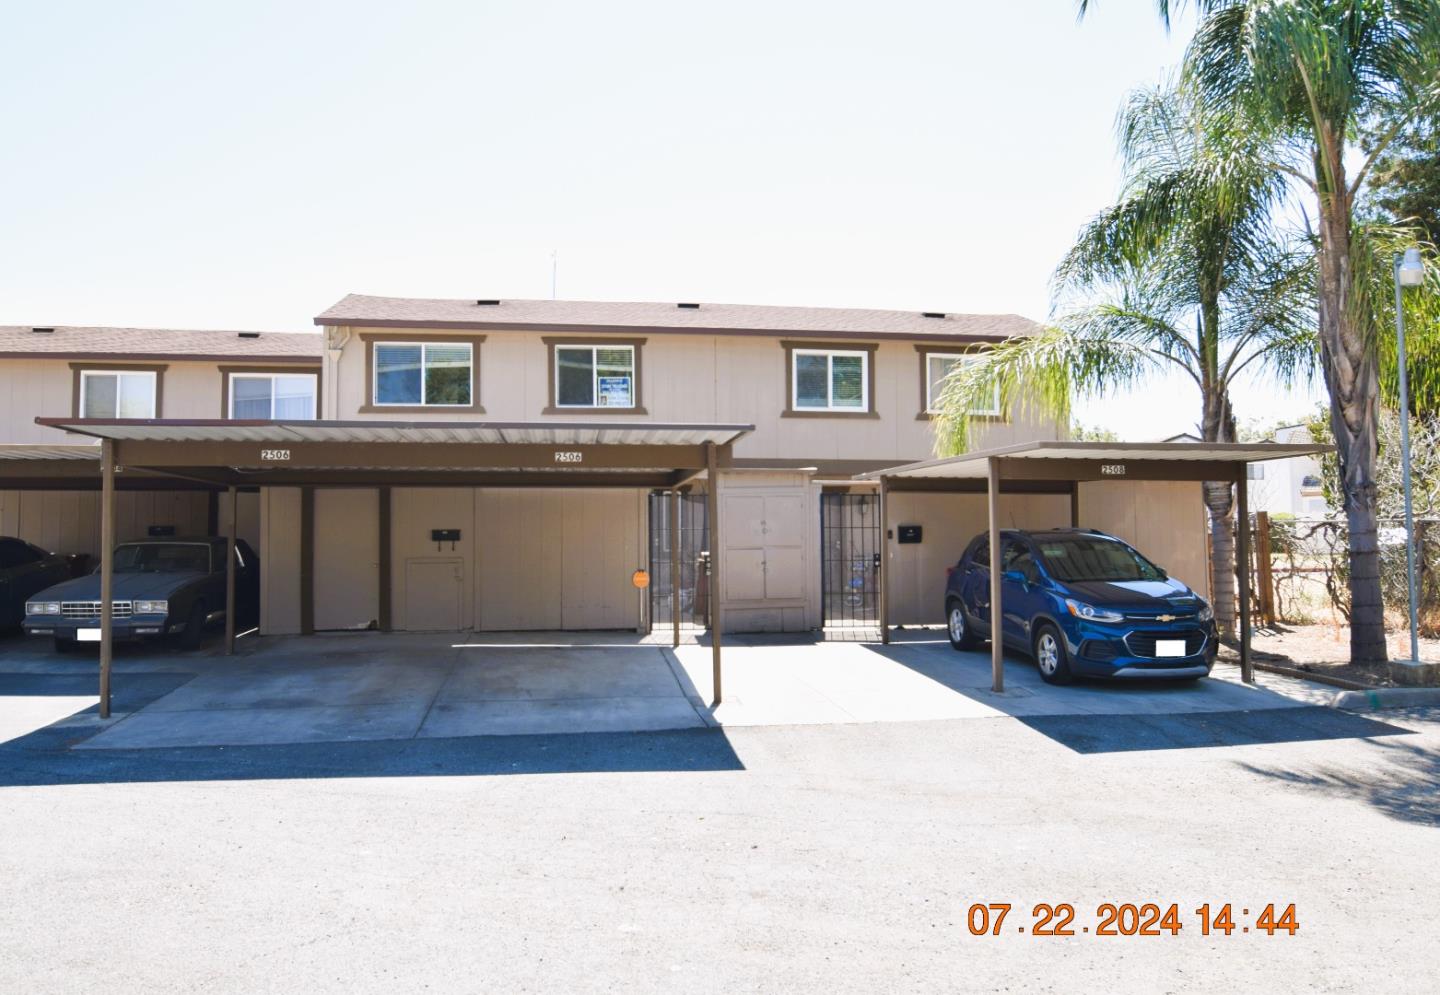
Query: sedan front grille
x,y
91,609
1141,642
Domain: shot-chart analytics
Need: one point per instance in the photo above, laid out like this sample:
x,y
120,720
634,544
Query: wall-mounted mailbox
x,y
909,533
160,531
444,535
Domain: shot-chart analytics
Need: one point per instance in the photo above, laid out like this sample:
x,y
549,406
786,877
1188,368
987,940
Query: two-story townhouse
x,y
830,393
133,373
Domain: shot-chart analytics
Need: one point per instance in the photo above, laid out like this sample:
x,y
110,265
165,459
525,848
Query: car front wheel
x,y
1051,656
958,626
194,632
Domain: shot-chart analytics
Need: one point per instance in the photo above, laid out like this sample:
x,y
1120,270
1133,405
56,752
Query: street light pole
x,y
1409,272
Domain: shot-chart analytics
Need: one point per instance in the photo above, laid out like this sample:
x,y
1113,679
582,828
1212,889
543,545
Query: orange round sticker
x,y
641,579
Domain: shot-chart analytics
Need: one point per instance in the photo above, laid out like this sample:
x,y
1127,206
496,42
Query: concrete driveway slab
x,y
151,728
498,673
558,715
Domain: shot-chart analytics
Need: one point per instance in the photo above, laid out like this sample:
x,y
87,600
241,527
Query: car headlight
x,y
42,608
1206,613
1092,614
152,607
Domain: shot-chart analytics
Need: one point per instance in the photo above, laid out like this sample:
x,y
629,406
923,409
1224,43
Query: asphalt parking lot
x,y
839,856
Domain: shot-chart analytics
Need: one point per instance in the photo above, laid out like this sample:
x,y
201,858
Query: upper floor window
x,y
830,380
118,393
273,396
596,376
424,374
939,365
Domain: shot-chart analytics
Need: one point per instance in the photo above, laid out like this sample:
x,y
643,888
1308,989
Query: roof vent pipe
x,y
486,303
249,335
43,331
932,314
688,305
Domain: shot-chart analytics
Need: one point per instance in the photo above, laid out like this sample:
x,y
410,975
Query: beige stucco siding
x,y
697,378
1165,520
279,560
69,521
949,522
30,388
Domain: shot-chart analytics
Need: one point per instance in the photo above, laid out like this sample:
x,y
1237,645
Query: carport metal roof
x,y
250,453
1050,466
235,453
1063,462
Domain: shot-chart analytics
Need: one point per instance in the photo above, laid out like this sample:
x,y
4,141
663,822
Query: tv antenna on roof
x,y
554,272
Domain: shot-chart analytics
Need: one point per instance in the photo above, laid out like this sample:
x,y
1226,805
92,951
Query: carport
x,y
1061,467
230,454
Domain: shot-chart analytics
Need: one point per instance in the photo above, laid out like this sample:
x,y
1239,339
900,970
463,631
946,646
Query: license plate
x,y
1169,647
88,635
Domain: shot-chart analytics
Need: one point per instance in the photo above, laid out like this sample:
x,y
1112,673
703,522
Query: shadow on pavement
x,y
45,757
1094,716
1407,787
1191,730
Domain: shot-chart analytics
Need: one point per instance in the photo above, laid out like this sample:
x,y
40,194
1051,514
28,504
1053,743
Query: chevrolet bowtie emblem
x,y
1166,618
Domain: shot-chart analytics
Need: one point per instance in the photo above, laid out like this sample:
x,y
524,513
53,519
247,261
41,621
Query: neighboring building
x,y
136,373
1289,486
831,393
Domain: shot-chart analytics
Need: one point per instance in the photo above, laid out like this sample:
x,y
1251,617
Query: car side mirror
x,y
1015,576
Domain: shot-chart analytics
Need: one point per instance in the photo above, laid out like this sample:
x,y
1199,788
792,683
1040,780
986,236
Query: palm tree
x,y
1304,76
1184,273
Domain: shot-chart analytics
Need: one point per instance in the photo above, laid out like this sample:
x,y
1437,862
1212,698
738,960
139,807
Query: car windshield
x,y
162,558
1085,558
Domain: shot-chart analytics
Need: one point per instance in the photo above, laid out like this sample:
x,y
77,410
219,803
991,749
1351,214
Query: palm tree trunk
x,y
1349,359
1218,425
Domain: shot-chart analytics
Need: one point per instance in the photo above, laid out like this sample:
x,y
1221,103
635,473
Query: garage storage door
x,y
764,536
347,557
558,559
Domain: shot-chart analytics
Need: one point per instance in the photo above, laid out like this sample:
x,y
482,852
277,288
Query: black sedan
x,y
161,586
24,570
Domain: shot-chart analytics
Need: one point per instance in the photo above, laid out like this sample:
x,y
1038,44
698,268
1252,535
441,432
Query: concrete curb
x,y
1379,698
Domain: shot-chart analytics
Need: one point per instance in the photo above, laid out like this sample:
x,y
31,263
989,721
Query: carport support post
x,y
884,561
997,640
107,570
675,567
1242,526
230,530
712,512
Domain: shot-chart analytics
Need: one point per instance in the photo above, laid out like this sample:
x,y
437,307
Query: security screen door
x,y
850,558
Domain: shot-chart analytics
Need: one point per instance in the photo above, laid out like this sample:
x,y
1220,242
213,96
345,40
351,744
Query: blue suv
x,y
1083,604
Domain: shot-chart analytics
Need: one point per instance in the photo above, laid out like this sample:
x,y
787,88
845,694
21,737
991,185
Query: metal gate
x,y
694,603
850,558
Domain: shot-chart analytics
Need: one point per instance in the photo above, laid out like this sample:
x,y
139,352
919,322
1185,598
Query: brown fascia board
x,y
167,357
573,329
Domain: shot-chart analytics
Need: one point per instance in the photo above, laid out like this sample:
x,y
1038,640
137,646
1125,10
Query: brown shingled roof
x,y
71,342
357,310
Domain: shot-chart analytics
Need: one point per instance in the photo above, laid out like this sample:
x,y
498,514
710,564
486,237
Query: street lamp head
x,y
1412,270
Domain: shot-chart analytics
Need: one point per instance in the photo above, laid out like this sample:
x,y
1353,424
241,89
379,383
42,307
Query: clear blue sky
x,y
245,164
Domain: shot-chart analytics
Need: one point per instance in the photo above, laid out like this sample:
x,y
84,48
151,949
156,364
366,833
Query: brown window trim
x,y
371,339
552,408
926,350
225,371
790,345
80,368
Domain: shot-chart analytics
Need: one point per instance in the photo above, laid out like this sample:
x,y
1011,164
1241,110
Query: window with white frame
x,y
938,366
598,376
273,396
428,374
828,380
117,393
